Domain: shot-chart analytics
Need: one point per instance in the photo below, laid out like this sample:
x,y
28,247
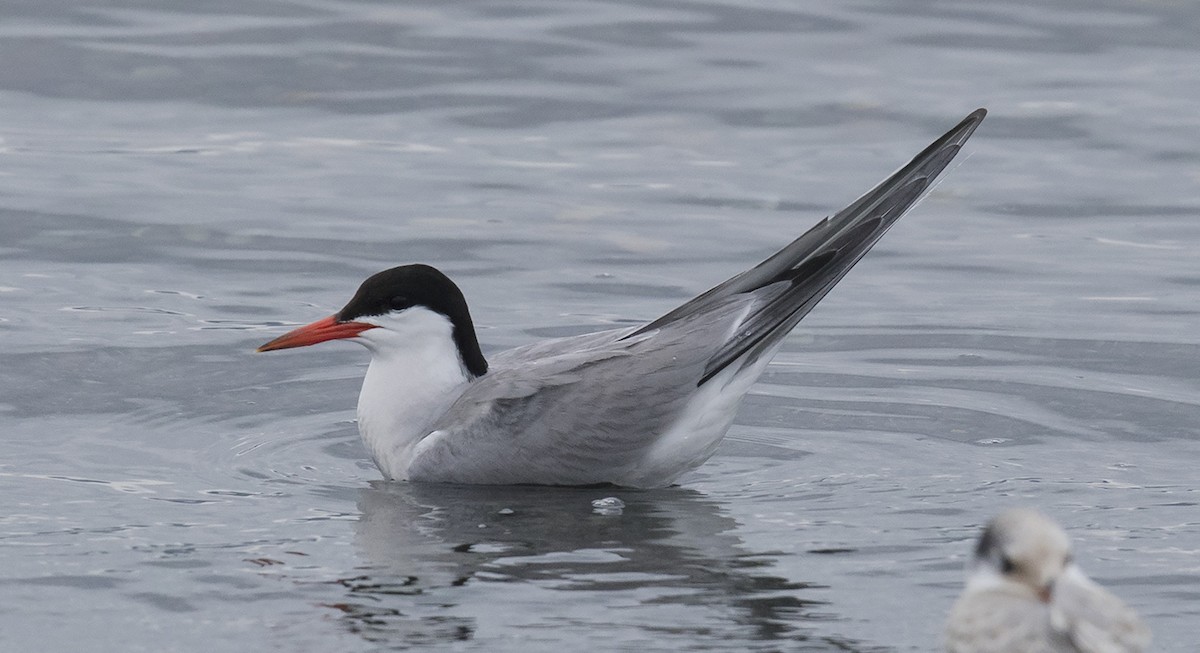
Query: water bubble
x,y
608,506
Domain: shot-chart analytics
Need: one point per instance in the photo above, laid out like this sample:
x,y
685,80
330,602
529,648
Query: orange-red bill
x,y
319,331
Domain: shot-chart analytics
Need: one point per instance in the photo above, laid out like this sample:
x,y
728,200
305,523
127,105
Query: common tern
x,y
634,407
1024,594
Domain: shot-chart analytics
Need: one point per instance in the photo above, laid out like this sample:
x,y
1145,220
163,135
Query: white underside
x,y
695,436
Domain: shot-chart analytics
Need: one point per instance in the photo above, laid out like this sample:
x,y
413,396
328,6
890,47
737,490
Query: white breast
x,y
415,374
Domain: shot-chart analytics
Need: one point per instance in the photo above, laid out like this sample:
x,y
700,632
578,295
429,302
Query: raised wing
x,y
803,272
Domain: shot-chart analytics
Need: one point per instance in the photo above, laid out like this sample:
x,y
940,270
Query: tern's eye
x,y
399,302
1007,566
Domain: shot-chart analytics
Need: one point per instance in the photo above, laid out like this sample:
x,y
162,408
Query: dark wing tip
x,y
886,202
964,129
939,153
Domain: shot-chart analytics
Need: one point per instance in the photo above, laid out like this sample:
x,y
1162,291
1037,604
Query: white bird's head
x,y
397,309
1023,549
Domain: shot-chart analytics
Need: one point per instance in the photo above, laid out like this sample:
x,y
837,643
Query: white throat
x,y
415,374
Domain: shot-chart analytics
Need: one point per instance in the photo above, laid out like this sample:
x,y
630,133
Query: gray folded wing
x,y
574,411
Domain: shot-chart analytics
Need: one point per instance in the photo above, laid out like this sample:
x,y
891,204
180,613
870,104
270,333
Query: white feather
x,y
414,375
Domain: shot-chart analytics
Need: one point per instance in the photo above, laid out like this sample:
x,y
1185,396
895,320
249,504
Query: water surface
x,y
180,184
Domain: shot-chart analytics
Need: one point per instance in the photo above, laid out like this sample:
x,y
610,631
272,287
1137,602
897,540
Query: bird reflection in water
x,y
505,564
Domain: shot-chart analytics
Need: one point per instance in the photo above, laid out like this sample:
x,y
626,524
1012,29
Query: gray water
x,y
180,182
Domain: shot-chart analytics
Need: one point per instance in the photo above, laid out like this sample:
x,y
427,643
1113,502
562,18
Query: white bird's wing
x,y
1093,619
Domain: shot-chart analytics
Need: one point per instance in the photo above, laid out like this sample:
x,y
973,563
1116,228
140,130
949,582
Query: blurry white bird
x,y
634,407
1024,594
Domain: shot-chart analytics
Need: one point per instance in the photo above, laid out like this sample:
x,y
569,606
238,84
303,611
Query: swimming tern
x,y
1024,594
634,407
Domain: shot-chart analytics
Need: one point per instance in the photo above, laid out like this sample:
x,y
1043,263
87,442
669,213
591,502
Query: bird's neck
x,y
411,381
